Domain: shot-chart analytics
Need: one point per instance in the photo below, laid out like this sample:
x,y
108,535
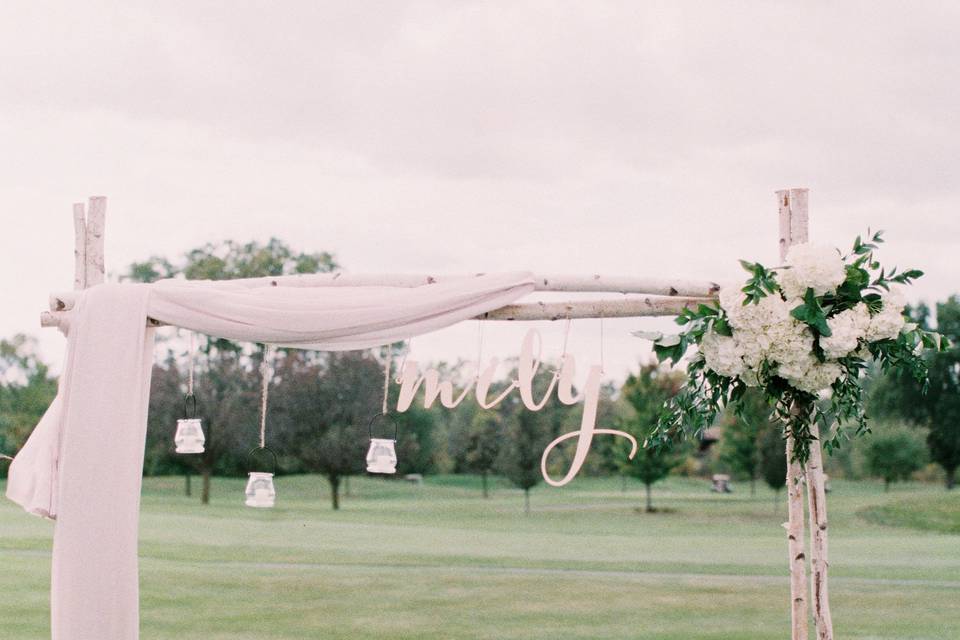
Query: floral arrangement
x,y
804,334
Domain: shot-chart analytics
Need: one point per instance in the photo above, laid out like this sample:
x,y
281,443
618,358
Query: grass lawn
x,y
439,562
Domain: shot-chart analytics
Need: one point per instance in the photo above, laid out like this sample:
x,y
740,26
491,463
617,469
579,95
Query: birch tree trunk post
x,y
794,227
79,247
819,563
793,230
96,215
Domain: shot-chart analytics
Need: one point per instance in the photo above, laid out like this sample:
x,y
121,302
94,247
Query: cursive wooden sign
x,y
527,368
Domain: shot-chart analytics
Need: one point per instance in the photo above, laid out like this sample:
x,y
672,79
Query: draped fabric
x,y
83,463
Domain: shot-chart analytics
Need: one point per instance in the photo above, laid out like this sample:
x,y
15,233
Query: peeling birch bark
x,y
794,225
819,561
630,308
656,288
79,251
96,215
796,547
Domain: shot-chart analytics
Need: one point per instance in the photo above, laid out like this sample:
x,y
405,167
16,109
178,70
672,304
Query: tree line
x,y
321,405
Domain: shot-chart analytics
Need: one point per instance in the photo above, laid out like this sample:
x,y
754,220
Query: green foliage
x,y
762,282
742,432
645,393
484,441
26,390
773,458
895,453
811,313
322,409
229,260
526,435
933,401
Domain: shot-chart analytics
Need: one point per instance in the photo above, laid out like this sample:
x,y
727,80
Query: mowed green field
x,y
438,561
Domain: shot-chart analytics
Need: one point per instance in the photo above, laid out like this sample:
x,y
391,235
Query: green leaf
x,y
811,313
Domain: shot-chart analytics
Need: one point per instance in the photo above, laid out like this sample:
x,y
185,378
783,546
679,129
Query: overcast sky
x,y
634,138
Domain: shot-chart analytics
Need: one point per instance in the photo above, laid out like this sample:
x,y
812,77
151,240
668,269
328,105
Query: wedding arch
x,y
94,587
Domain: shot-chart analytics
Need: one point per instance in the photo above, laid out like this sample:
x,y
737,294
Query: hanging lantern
x,y
382,455
260,491
189,437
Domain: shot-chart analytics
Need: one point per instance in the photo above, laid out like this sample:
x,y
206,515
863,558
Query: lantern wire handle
x,y
265,373
251,457
396,425
189,406
386,378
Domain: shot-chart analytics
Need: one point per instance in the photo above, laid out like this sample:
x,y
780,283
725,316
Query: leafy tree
x,y
740,443
939,408
645,393
416,445
166,407
526,436
527,433
894,454
650,465
26,390
772,459
227,383
322,407
484,440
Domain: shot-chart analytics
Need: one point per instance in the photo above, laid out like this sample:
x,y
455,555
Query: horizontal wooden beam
x,y
618,308
595,283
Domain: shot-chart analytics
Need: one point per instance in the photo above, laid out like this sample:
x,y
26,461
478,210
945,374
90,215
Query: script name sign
x,y
527,368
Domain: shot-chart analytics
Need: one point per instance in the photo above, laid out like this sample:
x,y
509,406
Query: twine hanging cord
x,y
191,356
265,374
386,379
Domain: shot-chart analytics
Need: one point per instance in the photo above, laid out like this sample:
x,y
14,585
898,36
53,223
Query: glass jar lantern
x,y
382,454
189,437
260,492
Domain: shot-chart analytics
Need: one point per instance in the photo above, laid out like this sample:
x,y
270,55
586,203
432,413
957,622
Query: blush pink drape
x,y
83,463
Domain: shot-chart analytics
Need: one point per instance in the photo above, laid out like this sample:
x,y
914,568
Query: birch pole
x,y
794,230
79,247
817,506
96,214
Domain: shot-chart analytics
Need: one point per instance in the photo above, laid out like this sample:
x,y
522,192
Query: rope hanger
x,y
265,373
191,358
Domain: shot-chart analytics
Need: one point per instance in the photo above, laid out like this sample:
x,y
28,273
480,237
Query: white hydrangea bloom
x,y
791,345
766,332
887,324
816,266
721,354
767,311
818,377
846,329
